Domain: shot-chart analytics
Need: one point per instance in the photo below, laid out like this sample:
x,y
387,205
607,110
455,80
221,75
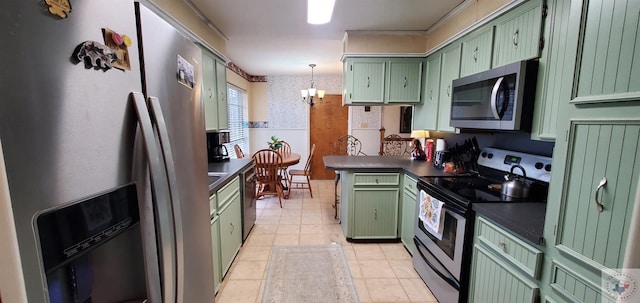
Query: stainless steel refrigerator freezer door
x,y
162,46
67,131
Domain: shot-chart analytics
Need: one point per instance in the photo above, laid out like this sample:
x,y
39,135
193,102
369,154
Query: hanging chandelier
x,y
308,94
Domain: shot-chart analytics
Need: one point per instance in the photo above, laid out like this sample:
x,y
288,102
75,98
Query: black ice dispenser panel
x,y
89,243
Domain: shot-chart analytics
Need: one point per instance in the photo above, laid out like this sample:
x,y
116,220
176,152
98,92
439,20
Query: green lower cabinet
x,y
493,280
504,268
409,215
375,213
230,233
215,240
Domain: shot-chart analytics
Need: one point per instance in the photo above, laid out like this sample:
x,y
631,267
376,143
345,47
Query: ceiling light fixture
x,y
319,11
308,94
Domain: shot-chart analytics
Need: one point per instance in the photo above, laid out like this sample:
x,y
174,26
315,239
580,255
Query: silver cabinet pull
x,y
515,37
602,183
210,93
449,90
375,213
233,228
431,94
368,82
475,54
405,81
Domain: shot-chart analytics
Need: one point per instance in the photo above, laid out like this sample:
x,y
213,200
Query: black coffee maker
x,y
216,151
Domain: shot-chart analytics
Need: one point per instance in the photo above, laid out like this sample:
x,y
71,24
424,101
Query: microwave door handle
x,y
494,98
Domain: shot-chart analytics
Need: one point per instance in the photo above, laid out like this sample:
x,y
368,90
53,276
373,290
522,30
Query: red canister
x,y
429,150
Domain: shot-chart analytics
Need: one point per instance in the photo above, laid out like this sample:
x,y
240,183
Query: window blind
x,y
238,122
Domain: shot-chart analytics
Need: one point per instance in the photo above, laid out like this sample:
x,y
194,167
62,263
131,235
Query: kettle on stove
x,y
515,186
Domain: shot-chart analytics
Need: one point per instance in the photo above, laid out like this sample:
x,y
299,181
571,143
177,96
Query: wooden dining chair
x,y
285,148
393,145
268,165
302,173
239,152
284,151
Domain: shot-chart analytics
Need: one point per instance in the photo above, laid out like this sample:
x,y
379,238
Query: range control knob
x,y
484,154
490,156
539,165
547,167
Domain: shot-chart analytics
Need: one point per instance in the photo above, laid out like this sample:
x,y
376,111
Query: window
x,y
238,126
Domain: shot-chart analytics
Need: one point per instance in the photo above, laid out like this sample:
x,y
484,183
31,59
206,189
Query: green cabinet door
x,y
493,280
209,91
215,240
518,34
425,115
552,69
476,51
365,80
230,232
404,83
409,215
607,67
221,100
450,71
375,213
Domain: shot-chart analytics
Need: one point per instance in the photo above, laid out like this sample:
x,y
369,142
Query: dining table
x,y
288,159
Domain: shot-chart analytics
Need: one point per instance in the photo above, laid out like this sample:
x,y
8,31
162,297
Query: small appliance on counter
x,y
216,151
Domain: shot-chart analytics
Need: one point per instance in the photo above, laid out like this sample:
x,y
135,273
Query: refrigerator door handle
x,y
162,205
161,125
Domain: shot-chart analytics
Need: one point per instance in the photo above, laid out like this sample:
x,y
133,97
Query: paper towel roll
x,y
441,145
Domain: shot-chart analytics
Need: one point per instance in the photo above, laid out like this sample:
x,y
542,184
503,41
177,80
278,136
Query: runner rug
x,y
309,274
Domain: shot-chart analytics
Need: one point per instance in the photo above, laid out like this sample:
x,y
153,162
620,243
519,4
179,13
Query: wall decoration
x,y
185,73
119,44
94,54
60,8
258,124
406,113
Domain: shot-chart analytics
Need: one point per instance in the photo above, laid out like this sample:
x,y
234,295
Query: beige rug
x,y
309,274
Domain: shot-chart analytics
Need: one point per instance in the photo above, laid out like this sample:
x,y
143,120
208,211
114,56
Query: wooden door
x,y
328,123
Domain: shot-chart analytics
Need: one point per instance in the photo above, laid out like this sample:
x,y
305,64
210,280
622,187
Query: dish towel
x,y
431,214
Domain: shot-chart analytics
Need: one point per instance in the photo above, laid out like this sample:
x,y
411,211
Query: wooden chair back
x,y
238,150
393,145
307,167
285,149
348,146
268,163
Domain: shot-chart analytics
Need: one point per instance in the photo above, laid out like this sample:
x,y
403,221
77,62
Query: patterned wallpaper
x,y
286,109
366,120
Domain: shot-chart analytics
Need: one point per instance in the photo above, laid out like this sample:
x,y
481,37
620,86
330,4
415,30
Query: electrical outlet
x,y
364,125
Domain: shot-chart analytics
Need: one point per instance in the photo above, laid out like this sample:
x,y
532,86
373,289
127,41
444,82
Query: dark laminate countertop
x,y
523,219
415,168
232,168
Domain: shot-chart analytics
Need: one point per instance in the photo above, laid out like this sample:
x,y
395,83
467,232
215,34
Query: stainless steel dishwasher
x,y
249,203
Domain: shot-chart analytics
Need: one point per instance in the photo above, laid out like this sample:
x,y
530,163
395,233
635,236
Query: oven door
x,y
445,245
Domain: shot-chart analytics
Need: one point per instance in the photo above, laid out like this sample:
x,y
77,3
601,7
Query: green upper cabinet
x,y
476,51
365,80
517,34
450,71
221,88
404,80
425,115
379,81
607,67
214,92
552,69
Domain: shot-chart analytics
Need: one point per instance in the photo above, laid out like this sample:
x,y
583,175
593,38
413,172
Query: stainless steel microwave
x,y
499,99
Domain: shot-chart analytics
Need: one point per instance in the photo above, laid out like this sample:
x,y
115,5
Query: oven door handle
x,y
449,281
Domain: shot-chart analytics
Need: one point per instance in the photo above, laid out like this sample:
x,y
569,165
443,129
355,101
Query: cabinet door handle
x,y
210,93
375,213
431,94
599,205
405,81
515,37
475,54
449,90
377,181
233,228
368,82
502,245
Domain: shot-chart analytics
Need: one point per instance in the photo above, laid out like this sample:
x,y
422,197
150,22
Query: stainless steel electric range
x,y
444,224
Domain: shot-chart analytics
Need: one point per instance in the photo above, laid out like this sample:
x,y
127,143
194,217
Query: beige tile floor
x,y
381,272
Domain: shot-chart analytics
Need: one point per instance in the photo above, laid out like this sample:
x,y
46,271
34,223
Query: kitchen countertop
x,y
523,219
230,168
416,168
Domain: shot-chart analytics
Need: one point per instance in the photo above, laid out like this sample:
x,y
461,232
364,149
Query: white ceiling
x,y
272,37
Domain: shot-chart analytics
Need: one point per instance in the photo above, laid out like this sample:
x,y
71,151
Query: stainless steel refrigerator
x,y
100,105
